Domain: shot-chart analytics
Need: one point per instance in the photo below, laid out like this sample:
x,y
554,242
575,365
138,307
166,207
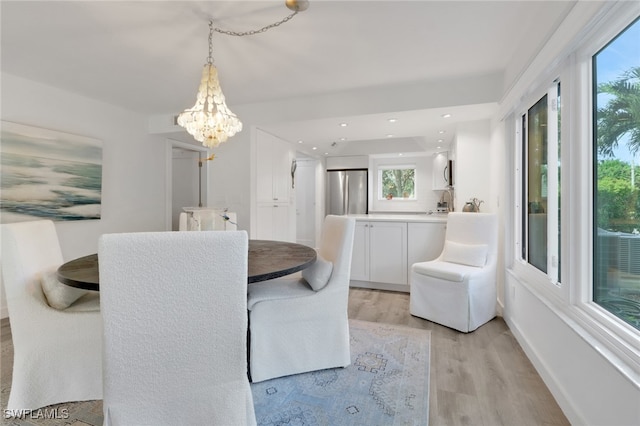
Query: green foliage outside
x,y
398,183
618,200
620,116
619,119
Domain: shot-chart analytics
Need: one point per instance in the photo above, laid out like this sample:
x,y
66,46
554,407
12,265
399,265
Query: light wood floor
x,y
479,378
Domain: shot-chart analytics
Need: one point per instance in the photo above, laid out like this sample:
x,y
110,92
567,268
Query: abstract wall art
x,y
47,174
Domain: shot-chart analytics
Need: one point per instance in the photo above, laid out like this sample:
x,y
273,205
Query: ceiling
x,y
146,56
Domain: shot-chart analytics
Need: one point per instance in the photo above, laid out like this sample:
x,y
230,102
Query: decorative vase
x,y
469,207
472,206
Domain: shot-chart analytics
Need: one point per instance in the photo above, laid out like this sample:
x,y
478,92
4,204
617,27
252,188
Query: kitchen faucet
x,y
449,191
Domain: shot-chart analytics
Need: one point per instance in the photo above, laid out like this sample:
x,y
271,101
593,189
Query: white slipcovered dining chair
x,y
57,353
174,306
458,289
295,328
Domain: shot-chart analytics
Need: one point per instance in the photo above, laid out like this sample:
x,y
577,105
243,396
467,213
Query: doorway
x,y
188,180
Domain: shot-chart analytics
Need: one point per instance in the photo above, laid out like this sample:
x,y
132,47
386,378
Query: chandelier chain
x,y
210,58
253,32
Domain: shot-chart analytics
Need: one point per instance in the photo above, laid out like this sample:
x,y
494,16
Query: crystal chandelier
x,y
210,121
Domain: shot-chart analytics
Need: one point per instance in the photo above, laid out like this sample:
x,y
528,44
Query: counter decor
x,y
472,205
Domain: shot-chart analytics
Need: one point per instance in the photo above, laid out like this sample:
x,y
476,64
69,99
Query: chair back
x,y
336,245
174,307
474,228
57,353
28,250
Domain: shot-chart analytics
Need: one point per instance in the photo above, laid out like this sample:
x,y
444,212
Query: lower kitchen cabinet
x,y
380,252
383,251
360,253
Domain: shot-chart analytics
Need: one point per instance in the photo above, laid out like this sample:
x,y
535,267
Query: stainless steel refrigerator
x,y
346,192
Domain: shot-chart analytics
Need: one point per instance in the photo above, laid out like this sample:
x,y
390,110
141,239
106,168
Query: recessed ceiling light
x,y
440,140
314,148
442,132
392,120
343,139
401,154
438,147
446,115
326,153
389,136
299,141
343,124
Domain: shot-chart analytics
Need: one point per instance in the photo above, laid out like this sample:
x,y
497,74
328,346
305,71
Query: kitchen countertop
x,y
405,217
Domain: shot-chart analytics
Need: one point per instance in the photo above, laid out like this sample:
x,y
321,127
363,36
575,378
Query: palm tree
x,y
621,115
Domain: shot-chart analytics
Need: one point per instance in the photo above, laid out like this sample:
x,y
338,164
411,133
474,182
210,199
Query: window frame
x,y
382,167
538,279
602,322
616,340
552,161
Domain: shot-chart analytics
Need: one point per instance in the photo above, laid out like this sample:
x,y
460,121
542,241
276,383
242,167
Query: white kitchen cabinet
x,y
388,252
440,179
424,242
273,223
360,253
380,252
274,157
275,207
384,249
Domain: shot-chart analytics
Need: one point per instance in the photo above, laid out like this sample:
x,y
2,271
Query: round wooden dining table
x,y
267,260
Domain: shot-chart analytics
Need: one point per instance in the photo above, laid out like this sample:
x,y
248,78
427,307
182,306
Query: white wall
x,y
473,164
496,200
577,370
229,177
133,163
348,162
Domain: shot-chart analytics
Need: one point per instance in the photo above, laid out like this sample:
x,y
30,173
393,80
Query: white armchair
x,y
57,353
294,328
458,289
174,306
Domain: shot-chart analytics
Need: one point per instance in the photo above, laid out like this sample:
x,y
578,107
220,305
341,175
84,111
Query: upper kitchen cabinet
x,y
274,157
442,173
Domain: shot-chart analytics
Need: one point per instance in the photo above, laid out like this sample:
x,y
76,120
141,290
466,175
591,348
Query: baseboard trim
x,y
379,286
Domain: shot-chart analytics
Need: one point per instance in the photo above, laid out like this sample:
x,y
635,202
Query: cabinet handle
x,y
275,199
275,205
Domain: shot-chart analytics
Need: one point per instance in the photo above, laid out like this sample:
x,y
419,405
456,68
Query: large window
x,y
541,188
397,182
616,207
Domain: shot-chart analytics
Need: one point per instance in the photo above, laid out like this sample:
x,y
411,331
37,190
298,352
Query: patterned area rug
x,y
387,383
